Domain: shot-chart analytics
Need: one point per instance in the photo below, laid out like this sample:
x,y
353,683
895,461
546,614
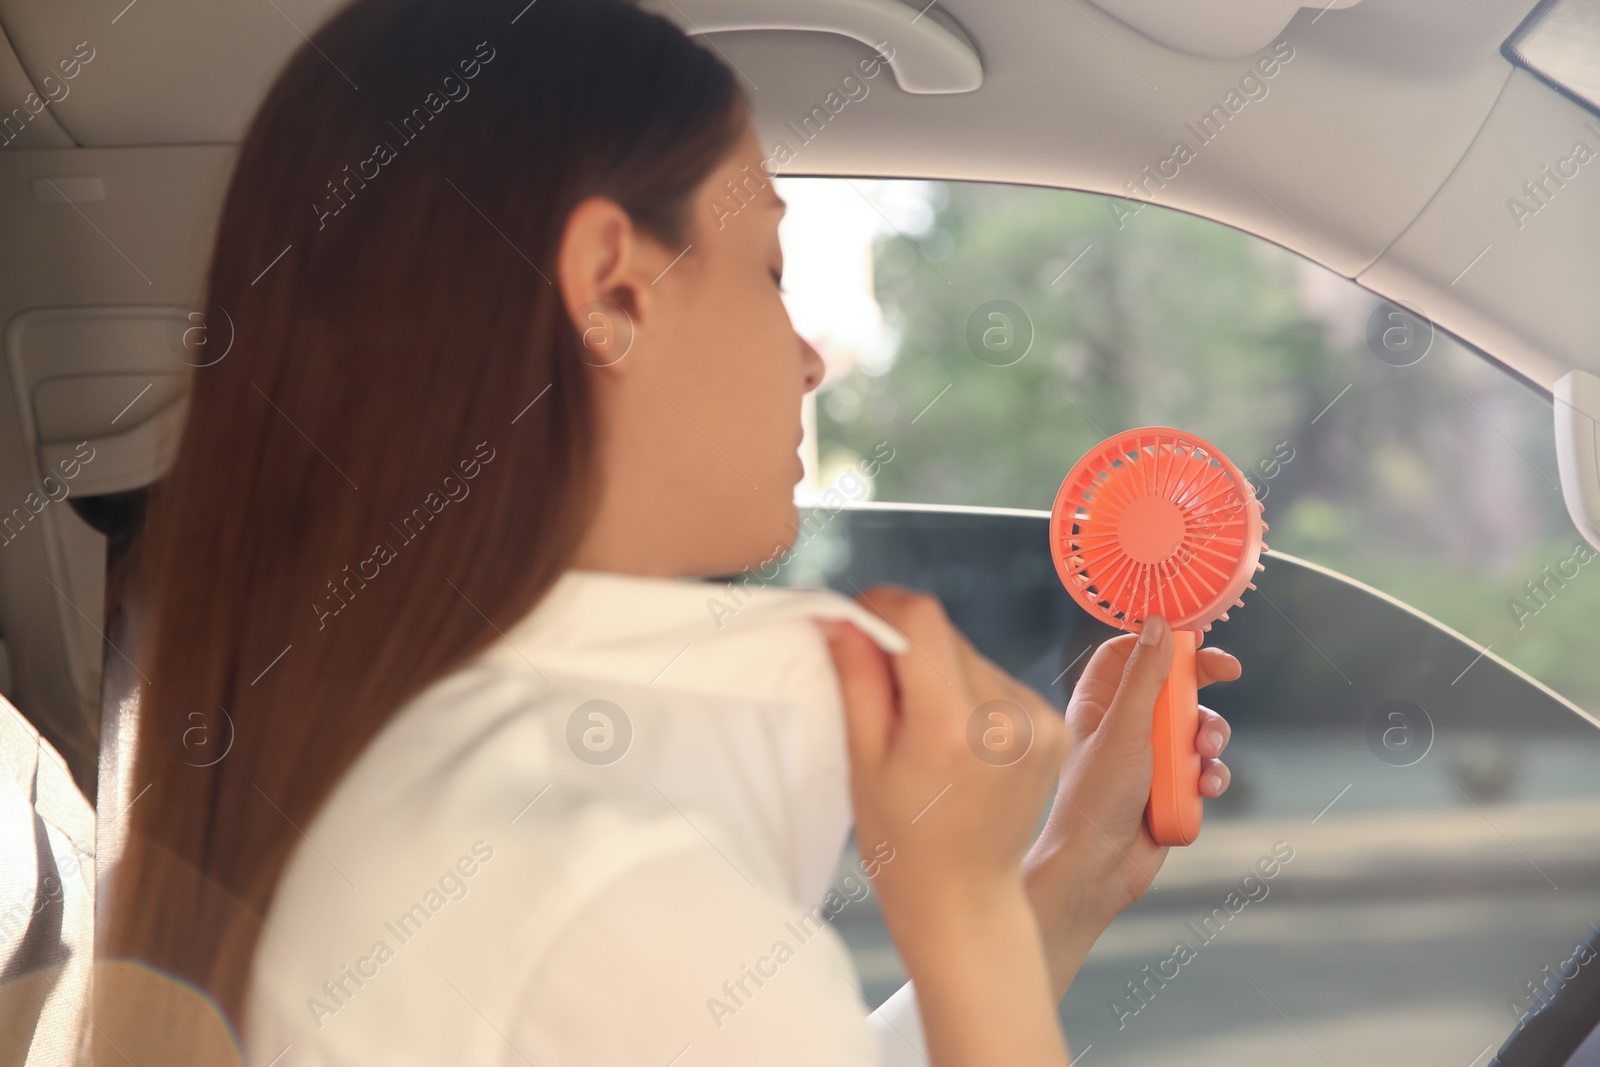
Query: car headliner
x,y
1387,149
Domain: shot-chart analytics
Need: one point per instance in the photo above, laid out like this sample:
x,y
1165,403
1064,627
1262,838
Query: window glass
x,y
988,335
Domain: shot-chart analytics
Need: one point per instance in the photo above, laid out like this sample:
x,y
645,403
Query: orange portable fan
x,y
1156,521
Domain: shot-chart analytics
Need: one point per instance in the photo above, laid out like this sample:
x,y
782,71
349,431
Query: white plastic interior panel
x,y
101,412
56,359
104,383
87,287
927,51
1073,97
1367,110
1577,403
162,73
1222,29
1508,252
1349,142
25,117
62,189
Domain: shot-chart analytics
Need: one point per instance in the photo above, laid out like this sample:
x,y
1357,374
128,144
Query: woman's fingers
x,y
1098,684
1103,674
944,680
866,686
1209,742
1213,734
1131,710
991,681
1215,665
931,673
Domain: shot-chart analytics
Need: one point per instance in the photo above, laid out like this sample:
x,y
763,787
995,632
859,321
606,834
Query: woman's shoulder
x,y
508,796
484,756
459,842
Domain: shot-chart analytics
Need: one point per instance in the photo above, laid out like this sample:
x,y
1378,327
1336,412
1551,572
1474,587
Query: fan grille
x,y
1156,522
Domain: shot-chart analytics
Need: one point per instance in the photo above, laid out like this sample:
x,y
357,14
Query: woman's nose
x,y
811,365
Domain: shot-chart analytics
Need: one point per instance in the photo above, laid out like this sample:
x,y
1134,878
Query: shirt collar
x,y
626,622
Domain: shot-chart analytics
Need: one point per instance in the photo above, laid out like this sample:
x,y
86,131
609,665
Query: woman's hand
x,y
1095,855
958,826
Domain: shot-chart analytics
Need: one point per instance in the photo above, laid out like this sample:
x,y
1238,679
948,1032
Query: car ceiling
x,y
1387,150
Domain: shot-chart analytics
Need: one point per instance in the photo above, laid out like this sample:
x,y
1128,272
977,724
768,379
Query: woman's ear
x,y
601,271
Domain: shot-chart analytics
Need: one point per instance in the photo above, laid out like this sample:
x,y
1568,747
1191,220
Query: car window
x,y
988,335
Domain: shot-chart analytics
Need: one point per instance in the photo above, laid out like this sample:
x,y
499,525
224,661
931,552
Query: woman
x,y
504,376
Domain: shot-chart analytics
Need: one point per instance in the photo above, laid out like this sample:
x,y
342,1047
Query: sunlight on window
x,y
829,236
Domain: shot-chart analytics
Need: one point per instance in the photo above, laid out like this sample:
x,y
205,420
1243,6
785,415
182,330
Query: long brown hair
x,y
394,457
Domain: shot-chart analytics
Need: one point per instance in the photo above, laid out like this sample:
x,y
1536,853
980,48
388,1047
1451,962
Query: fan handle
x,y
1174,812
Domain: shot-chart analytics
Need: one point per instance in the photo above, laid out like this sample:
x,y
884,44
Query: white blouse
x,y
609,840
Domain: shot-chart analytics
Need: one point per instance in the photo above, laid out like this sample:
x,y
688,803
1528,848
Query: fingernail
x,y
1214,781
1155,627
1215,738
831,628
